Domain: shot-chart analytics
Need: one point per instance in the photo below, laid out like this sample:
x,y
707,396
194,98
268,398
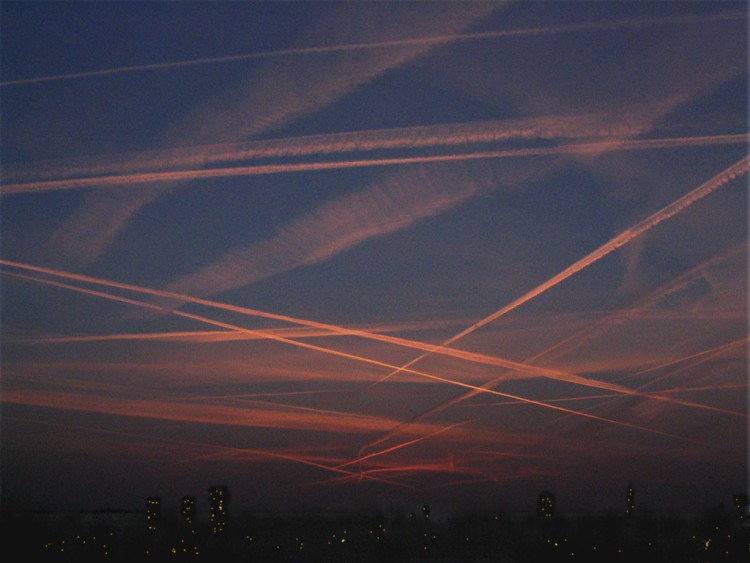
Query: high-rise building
x,y
546,504
218,508
153,513
187,509
630,502
742,504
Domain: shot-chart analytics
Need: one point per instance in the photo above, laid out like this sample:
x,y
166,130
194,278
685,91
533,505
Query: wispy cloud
x,y
425,136
277,94
738,169
396,203
139,180
430,349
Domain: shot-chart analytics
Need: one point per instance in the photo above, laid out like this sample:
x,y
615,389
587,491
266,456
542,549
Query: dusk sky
x,y
347,254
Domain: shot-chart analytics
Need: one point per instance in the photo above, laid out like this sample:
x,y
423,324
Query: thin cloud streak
x,y
223,451
334,227
639,309
386,365
403,445
145,178
209,336
461,134
736,170
594,26
727,175
275,95
469,356
347,423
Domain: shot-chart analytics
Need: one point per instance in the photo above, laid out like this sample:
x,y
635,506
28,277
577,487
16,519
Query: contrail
x,y
274,335
596,329
256,395
339,422
702,356
142,179
228,449
341,354
274,95
544,128
402,445
634,231
593,26
385,206
613,395
208,336
734,171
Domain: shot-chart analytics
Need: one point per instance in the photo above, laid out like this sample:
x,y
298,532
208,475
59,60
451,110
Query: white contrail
x,y
145,178
738,169
592,26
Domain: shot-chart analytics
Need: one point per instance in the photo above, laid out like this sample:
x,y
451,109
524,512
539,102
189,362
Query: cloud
x,y
141,179
396,203
277,94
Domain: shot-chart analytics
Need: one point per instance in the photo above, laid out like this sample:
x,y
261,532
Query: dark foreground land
x,y
719,535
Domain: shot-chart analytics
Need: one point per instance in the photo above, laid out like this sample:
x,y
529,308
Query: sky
x,y
352,254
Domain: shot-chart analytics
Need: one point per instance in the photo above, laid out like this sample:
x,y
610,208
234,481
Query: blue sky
x,y
226,225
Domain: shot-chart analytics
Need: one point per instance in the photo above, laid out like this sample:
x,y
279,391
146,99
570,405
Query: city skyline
x,y
347,255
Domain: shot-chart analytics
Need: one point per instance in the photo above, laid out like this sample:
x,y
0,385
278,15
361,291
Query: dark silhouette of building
x,y
188,543
546,504
218,507
154,539
742,504
630,502
153,513
187,509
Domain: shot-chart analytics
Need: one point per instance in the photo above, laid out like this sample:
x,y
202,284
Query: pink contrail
x,y
636,310
701,357
734,171
274,335
727,175
209,336
593,26
140,180
270,454
545,127
402,445
614,395
704,355
385,206
274,95
349,356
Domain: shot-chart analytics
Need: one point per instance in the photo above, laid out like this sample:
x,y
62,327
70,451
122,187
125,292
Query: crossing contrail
x,y
223,335
526,368
455,38
402,445
274,95
270,454
347,355
738,169
598,328
141,180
